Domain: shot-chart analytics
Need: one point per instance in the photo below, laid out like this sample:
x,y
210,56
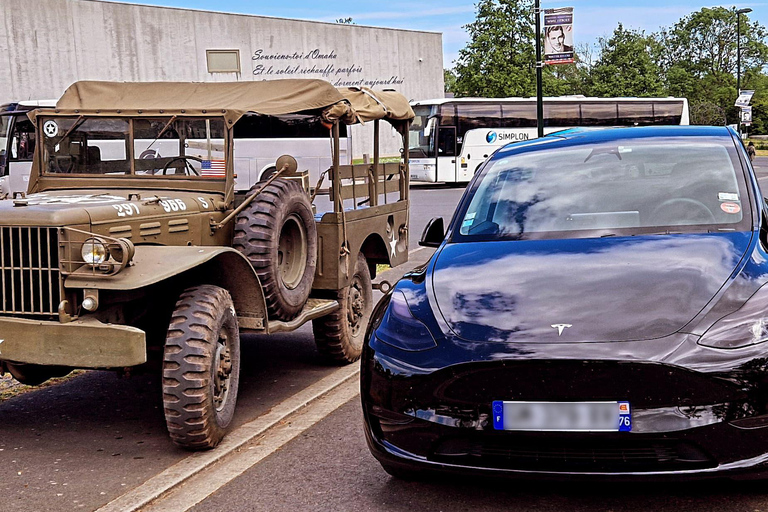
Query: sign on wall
x,y
558,35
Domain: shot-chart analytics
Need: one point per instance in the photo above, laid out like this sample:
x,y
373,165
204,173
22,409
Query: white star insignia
x,y
392,244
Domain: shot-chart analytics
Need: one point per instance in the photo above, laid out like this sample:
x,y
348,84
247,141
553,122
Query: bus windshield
x,y
164,146
5,122
420,139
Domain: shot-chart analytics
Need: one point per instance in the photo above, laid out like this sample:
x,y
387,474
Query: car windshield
x,y
623,187
163,146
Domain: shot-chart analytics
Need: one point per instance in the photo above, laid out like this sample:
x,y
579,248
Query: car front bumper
x,y
688,422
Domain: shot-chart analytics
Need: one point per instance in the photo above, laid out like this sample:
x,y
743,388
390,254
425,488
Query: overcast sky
x,y
592,18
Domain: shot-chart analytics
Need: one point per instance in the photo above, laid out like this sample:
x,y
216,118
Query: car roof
x,y
575,137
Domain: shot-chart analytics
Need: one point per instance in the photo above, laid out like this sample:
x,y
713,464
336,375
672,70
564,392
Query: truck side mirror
x,y
433,233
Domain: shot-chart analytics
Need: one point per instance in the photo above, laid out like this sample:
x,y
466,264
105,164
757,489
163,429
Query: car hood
x,y
581,290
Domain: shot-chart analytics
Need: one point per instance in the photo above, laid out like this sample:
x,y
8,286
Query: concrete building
x,y
45,45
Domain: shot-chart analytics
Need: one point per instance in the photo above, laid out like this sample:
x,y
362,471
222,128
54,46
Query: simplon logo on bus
x,y
492,136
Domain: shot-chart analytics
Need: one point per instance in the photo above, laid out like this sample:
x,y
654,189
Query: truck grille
x,y
29,263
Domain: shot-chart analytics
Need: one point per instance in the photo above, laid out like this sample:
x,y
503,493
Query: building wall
x,y
45,45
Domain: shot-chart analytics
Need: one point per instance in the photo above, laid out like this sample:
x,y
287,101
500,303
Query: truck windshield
x,y
162,146
420,137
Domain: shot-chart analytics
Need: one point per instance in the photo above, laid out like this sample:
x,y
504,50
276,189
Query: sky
x,y
592,18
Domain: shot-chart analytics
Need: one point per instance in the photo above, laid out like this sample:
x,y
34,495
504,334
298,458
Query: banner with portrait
x,y
558,35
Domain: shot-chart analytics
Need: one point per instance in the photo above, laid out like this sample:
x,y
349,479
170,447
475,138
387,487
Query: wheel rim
x,y
222,371
355,306
292,252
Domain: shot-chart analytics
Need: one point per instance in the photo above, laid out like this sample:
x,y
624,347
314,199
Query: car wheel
x,y
340,335
201,367
278,235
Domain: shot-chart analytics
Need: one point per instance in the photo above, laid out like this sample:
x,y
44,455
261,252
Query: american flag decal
x,y
213,169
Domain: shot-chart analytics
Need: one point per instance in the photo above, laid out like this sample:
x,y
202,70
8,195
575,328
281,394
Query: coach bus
x,y
17,145
451,137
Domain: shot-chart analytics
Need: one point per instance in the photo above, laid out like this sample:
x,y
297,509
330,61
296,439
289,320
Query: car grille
x,y
576,456
29,270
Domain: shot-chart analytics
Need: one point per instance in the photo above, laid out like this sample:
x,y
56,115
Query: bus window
x,y
23,140
635,114
478,115
667,113
448,115
561,114
519,115
290,126
446,141
599,114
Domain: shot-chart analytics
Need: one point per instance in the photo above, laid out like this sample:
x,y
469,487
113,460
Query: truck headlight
x,y
94,251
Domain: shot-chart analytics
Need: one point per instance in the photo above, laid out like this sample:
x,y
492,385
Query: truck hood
x,y
581,290
89,207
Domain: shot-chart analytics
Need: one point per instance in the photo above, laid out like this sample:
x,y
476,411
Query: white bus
x,y
451,137
17,145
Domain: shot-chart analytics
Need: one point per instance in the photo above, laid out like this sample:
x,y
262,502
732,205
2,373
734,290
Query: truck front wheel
x,y
201,367
339,336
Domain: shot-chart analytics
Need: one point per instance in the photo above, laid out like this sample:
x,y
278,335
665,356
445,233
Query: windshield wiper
x,y
165,128
72,128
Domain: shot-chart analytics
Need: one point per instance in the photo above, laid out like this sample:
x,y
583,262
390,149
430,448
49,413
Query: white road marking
x,y
204,484
274,429
197,462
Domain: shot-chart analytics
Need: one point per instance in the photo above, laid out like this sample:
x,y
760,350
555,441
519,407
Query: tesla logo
x,y
560,327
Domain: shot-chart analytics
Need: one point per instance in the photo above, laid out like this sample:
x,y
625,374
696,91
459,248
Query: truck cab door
x,y
21,149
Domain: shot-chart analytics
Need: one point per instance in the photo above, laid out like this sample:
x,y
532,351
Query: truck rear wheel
x,y
277,234
339,336
201,367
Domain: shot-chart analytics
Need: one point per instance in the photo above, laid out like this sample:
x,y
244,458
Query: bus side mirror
x,y
433,233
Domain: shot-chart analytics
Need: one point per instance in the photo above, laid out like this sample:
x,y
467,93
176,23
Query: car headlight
x,y
94,252
400,329
744,327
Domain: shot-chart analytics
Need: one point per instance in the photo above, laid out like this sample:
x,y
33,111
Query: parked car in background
x,y
596,308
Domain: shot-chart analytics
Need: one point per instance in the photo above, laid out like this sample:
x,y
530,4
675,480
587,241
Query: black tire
x,y
36,374
340,335
201,367
278,235
408,475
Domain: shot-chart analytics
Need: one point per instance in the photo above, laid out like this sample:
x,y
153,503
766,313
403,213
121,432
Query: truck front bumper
x,y
83,343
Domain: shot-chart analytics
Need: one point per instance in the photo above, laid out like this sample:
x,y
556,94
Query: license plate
x,y
562,416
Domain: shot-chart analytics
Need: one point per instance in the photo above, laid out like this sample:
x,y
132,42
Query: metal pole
x,y
738,52
539,65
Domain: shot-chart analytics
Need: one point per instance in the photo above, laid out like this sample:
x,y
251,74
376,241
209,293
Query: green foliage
x,y
694,59
499,58
626,66
449,78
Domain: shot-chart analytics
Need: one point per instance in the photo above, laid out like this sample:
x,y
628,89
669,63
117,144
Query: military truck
x,y
114,257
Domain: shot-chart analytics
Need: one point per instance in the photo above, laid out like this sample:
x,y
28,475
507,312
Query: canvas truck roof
x,y
229,99
369,105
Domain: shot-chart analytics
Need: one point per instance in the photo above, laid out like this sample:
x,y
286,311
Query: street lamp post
x,y
738,54
539,66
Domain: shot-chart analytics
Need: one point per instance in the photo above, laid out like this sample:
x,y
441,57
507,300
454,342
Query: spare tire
x,y
277,234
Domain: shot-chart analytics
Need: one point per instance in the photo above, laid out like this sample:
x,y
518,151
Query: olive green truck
x,y
117,254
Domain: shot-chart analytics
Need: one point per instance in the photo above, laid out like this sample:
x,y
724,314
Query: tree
x,y
449,78
626,66
499,58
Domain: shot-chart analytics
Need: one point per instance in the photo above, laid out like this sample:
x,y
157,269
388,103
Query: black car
x,y
595,308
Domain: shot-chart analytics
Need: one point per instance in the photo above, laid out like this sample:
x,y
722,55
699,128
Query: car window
x,y
622,187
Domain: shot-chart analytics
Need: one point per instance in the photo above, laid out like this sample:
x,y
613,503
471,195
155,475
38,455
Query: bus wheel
x,y
340,335
201,367
278,235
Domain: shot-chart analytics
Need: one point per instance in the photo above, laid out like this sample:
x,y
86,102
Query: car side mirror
x,y
433,233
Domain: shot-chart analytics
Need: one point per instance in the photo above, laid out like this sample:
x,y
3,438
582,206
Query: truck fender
x,y
222,266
